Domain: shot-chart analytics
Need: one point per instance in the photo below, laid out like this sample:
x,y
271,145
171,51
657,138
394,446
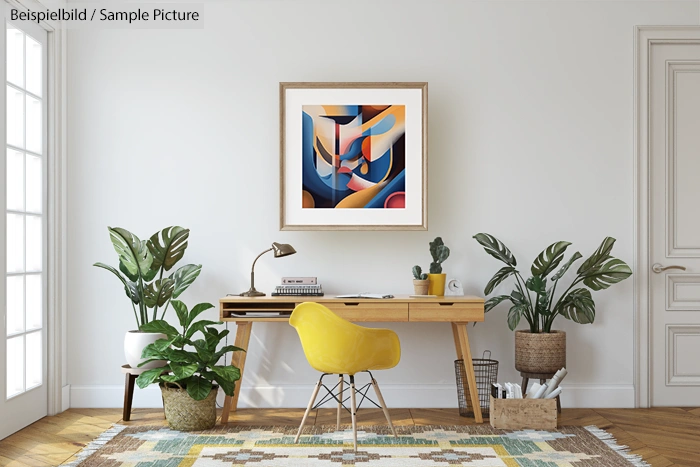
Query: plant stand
x,y
131,375
543,377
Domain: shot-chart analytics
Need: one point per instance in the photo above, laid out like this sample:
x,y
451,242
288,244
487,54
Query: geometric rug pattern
x,y
483,446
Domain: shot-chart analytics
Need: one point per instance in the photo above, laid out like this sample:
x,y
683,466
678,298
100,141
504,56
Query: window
x,y
25,211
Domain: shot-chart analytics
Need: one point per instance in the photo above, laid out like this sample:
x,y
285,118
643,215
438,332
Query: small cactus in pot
x,y
420,281
440,252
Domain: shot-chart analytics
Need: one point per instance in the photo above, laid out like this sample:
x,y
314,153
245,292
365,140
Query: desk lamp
x,y
280,250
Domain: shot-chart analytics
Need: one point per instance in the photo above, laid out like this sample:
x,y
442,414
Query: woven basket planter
x,y
186,414
540,352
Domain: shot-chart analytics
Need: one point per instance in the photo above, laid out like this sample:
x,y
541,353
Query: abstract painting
x,y
353,156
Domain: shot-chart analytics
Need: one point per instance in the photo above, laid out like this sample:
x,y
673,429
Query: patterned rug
x,y
151,446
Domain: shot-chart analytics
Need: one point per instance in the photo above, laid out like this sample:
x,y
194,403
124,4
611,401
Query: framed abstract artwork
x,y
353,156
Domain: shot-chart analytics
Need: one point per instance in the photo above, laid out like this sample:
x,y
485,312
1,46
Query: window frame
x,y
55,205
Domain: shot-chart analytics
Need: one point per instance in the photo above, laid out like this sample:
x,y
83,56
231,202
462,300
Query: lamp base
x,y
252,293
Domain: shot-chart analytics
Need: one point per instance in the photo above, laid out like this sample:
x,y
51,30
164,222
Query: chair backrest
x,y
334,345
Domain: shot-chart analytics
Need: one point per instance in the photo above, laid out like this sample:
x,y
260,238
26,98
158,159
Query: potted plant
x,y
420,281
540,349
439,252
190,379
143,264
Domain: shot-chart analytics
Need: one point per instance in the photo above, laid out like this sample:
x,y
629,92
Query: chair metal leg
x,y
308,409
340,401
384,408
353,411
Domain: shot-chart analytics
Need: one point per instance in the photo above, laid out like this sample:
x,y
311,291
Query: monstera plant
x,y
143,265
536,298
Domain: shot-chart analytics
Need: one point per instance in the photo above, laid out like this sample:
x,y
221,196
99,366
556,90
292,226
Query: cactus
x,y
440,252
418,273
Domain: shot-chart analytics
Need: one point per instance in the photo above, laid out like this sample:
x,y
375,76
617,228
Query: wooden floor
x,y
663,436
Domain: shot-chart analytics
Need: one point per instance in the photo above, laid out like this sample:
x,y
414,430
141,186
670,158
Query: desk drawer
x,y
353,310
446,311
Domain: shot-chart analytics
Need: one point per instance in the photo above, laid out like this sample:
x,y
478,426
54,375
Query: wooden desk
x,y
459,311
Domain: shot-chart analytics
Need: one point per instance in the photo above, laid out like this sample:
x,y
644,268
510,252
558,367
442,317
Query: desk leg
x,y
466,353
238,359
458,346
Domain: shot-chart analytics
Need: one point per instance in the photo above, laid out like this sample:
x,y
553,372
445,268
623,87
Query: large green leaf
x,y
158,292
562,270
149,376
517,298
537,285
168,247
133,253
132,290
182,356
213,336
226,349
514,316
197,310
229,373
598,256
578,306
129,287
161,326
170,378
496,248
199,326
198,388
501,275
610,272
184,277
549,259
228,386
181,311
203,351
151,351
183,371
492,302
162,344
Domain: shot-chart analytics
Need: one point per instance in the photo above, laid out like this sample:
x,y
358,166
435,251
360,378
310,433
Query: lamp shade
x,y
282,249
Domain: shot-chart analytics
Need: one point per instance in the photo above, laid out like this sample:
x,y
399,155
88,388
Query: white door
x,y
674,153
23,388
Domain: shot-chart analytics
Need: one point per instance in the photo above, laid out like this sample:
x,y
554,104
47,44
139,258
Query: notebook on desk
x,y
365,295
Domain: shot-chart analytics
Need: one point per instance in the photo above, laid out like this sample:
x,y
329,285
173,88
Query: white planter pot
x,y
134,343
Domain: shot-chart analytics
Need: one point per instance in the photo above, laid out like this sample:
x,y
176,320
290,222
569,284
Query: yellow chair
x,y
335,346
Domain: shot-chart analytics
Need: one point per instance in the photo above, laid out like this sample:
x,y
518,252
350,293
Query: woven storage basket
x,y
540,352
186,414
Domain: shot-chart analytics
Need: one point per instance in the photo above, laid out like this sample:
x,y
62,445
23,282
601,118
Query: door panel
x,y
674,144
683,87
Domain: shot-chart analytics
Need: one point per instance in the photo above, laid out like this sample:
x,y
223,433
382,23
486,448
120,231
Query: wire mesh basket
x,y
486,372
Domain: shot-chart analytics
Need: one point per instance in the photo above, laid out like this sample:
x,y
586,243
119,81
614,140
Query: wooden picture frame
x,y
353,156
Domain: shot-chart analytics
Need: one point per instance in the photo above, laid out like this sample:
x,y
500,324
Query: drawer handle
x,y
352,303
446,304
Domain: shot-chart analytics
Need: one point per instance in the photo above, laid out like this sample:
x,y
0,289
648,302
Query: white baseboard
x,y
396,396
65,398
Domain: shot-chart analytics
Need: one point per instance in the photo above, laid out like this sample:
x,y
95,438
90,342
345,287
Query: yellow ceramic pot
x,y
437,284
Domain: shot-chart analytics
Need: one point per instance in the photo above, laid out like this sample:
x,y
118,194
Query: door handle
x,y
657,268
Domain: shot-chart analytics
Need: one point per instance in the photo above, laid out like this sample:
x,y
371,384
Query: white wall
x,y
530,124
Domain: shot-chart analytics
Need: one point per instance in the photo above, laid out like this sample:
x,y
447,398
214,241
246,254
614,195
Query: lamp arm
x,y
252,268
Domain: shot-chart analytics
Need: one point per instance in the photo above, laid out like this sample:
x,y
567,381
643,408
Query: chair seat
x,y
334,345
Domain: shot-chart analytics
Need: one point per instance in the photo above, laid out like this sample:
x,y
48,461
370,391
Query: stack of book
x,y
298,286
